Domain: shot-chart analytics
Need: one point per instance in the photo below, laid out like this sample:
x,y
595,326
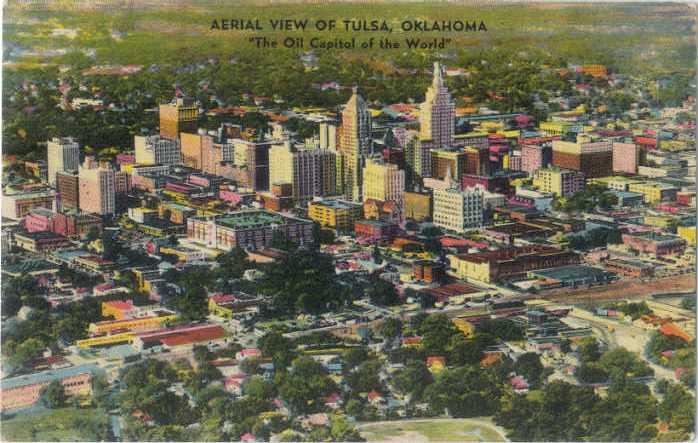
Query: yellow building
x,y
383,181
687,233
561,182
595,70
615,182
660,221
653,192
464,326
220,305
470,269
125,337
135,324
556,128
336,214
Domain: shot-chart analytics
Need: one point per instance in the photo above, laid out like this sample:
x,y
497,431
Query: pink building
x,y
39,219
626,157
535,157
24,391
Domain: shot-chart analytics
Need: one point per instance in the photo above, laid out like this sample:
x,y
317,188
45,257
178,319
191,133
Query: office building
x,y
437,113
558,181
62,155
180,115
593,158
384,182
457,210
157,150
355,143
97,188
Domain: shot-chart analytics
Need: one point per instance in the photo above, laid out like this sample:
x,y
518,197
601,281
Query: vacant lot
x,y
465,429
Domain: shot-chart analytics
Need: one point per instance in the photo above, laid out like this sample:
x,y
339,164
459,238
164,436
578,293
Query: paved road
x,y
624,335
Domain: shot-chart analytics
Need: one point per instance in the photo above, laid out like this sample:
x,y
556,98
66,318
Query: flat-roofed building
x,y
252,229
336,214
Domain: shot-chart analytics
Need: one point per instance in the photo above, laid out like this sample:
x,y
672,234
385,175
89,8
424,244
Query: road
x,y
624,335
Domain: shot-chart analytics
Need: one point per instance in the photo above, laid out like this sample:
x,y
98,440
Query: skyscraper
x,y
437,113
179,116
355,143
157,150
384,182
63,155
310,171
97,188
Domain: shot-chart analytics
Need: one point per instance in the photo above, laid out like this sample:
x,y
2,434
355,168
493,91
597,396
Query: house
x,y
436,364
314,420
412,342
233,384
490,359
519,384
247,353
375,398
333,400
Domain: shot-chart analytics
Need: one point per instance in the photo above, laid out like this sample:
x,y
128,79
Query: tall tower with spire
x,y
355,143
437,114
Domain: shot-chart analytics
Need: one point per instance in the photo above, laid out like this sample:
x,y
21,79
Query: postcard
x,y
388,221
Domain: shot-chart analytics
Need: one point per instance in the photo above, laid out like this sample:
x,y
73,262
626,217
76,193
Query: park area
x,y
465,429
64,424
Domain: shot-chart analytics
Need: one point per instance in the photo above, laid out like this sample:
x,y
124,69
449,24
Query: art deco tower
x,y
437,113
355,143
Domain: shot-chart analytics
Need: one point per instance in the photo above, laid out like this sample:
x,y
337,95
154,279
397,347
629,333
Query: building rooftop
x,y
573,272
336,204
250,219
46,376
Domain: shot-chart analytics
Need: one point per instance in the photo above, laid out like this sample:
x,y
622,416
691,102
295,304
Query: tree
x,y
467,391
383,293
377,258
302,281
391,328
233,264
257,387
502,328
413,379
588,349
53,396
530,367
436,331
366,377
278,347
468,351
192,304
353,357
678,409
305,385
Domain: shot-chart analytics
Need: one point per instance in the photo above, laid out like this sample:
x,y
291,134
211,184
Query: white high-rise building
x,y
63,155
97,186
457,210
355,143
157,150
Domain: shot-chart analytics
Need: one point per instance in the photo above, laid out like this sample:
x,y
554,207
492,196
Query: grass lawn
x,y
65,424
432,430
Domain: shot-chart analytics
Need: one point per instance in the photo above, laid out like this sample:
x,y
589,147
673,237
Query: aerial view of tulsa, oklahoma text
x,y
337,221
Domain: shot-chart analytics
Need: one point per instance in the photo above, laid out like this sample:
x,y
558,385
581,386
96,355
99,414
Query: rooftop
x,y
46,376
